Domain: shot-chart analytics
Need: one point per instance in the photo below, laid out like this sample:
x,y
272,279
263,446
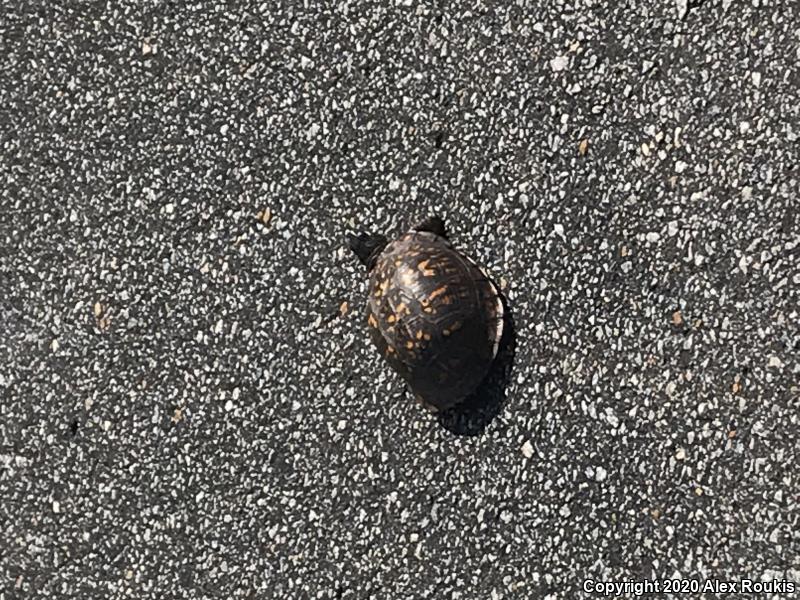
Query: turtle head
x,y
367,247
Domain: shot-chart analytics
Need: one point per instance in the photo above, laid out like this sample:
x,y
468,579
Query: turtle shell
x,y
434,316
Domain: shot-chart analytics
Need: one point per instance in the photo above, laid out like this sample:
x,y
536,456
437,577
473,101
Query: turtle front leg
x,y
433,225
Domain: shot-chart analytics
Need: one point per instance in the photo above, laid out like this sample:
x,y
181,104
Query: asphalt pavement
x,y
189,404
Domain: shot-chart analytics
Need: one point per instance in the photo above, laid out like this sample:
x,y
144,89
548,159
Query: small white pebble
x,y
743,262
774,361
527,449
559,63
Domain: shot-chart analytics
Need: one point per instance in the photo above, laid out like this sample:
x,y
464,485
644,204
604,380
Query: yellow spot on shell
x,y
391,318
419,334
453,328
409,345
437,292
407,277
423,266
371,320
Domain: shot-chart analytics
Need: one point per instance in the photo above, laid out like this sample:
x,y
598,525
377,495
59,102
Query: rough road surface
x,y
189,405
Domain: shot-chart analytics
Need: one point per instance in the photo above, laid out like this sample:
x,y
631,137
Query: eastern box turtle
x,y
432,313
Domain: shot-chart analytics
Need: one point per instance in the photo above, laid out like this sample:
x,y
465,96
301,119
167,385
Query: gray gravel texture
x,y
188,408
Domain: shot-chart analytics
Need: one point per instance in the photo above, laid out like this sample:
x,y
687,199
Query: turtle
x,y
432,313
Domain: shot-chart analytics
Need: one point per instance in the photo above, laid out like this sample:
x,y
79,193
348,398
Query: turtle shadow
x,y
471,416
